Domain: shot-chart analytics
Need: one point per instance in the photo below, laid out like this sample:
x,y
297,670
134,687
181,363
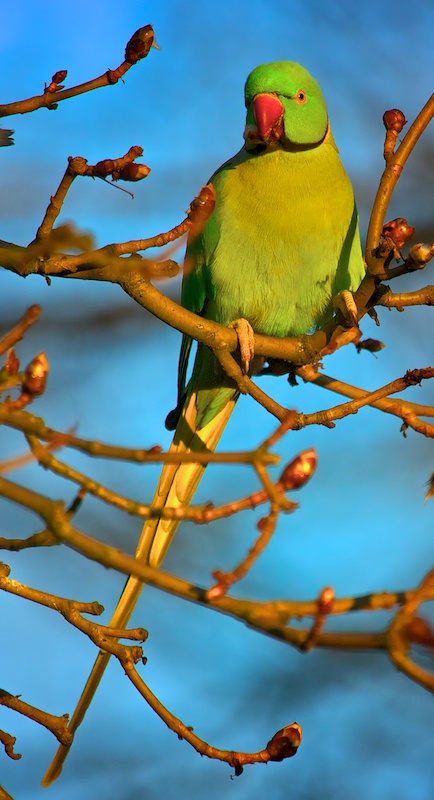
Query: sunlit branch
x,y
56,725
399,634
50,99
391,175
287,740
411,378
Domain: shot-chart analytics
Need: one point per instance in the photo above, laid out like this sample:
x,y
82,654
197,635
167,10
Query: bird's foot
x,y
344,302
246,341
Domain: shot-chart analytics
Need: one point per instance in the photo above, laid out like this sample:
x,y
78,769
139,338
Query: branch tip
x,y
285,742
140,44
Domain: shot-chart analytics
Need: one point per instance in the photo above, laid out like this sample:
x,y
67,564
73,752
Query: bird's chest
x,y
276,255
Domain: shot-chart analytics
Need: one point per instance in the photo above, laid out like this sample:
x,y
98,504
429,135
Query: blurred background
x,y
362,524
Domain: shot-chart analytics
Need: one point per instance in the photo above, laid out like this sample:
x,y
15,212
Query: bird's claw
x,y
344,302
246,341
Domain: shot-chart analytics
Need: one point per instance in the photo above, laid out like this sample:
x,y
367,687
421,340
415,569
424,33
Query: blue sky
x,y
362,524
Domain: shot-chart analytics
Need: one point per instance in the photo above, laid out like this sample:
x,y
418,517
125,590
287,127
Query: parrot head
x,y
285,107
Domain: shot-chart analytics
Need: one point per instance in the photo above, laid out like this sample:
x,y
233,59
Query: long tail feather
x,y
199,429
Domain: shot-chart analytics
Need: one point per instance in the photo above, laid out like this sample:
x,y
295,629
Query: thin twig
x,y
236,760
57,725
411,378
225,580
8,743
199,515
398,638
32,425
392,174
101,635
253,614
30,317
50,100
397,407
421,297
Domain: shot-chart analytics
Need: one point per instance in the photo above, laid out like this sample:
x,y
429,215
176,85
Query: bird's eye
x,y
300,97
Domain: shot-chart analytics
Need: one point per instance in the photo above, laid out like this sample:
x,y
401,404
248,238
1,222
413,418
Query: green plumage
x,y
282,241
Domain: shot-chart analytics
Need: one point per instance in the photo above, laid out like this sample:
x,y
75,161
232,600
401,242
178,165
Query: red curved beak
x,y
268,113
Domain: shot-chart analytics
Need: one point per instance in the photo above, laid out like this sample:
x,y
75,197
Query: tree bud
x,y
419,631
298,471
399,231
394,120
140,44
35,376
202,205
59,76
285,743
419,256
133,172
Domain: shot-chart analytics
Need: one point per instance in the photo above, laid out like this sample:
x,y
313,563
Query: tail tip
x,y
55,768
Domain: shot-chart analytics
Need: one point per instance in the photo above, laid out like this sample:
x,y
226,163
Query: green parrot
x,y
280,244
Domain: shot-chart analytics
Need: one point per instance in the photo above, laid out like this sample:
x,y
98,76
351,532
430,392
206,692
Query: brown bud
x,y
59,76
399,231
103,168
12,362
420,632
394,120
285,743
133,172
371,345
56,83
135,151
203,205
326,600
156,448
298,471
35,376
221,587
140,44
419,256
